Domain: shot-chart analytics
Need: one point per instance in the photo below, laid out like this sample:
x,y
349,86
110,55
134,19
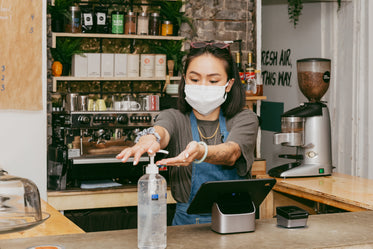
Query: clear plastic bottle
x,y
152,208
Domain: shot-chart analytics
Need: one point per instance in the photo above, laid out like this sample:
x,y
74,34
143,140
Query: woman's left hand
x,y
193,151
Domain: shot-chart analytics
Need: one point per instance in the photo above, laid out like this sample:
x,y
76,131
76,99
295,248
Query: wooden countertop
x,y
347,192
341,230
96,198
56,224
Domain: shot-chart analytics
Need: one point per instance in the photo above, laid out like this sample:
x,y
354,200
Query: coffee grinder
x,y
307,127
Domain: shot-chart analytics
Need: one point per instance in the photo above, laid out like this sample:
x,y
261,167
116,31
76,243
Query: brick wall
x,y
223,20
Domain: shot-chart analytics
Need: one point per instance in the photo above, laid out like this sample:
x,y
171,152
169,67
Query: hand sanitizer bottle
x,y
152,208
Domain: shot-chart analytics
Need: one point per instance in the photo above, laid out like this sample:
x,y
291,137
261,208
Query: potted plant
x,y
65,49
59,12
170,10
173,51
295,10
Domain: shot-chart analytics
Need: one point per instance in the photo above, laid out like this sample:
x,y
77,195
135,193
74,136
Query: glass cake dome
x,y
20,206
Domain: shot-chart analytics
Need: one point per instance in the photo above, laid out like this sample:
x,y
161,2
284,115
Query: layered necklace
x,y
209,137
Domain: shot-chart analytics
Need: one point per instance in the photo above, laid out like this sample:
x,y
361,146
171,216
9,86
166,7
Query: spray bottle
x,y
152,208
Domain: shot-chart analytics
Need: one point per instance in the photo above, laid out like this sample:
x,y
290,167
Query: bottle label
x,y
117,24
249,76
242,77
88,20
250,79
101,18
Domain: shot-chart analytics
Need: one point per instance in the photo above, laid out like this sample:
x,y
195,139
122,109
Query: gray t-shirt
x,y
242,128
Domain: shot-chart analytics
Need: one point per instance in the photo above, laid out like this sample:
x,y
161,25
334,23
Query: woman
x,y
210,137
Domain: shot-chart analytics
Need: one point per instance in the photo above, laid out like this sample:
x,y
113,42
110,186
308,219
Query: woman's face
x,y
206,70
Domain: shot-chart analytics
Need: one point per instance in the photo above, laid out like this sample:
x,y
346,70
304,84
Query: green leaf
x,y
294,10
65,49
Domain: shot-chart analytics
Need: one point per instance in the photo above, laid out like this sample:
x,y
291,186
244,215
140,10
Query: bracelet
x,y
204,155
149,131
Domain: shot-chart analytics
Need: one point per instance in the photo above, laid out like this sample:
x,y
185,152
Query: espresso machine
x,y
307,127
85,144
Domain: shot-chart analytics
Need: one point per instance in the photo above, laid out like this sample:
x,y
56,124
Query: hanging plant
x,y
295,10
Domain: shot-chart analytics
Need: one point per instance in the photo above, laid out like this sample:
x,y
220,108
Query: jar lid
x,y
74,8
131,13
143,14
117,12
155,14
167,22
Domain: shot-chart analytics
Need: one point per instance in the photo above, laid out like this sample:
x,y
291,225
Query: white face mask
x,y
205,99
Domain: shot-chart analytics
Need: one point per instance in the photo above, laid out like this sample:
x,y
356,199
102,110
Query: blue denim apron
x,y
201,173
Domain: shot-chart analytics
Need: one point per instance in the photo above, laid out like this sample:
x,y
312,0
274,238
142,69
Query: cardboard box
x,y
133,65
79,65
107,65
94,63
120,65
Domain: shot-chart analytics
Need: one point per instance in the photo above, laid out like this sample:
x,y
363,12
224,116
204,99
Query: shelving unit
x,y
71,78
113,36
56,35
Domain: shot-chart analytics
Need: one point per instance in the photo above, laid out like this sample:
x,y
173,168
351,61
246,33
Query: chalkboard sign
x,y
21,54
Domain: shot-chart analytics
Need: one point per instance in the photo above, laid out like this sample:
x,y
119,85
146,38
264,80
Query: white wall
x,y
345,37
304,41
23,137
23,145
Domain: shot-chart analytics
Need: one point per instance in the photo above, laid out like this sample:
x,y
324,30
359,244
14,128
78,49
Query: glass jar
x,y
142,23
130,23
117,22
74,24
154,24
167,28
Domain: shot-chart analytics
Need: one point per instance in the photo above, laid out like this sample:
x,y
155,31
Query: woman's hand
x,y
221,154
146,143
193,151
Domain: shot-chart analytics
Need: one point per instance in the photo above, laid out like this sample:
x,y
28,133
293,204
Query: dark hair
x,y
235,101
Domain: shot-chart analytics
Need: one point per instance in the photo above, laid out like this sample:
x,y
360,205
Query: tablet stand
x,y
232,203
233,222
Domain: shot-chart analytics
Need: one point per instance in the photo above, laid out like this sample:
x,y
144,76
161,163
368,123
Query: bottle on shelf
x,y
74,24
117,22
167,28
143,24
239,67
152,208
154,24
259,83
130,23
250,76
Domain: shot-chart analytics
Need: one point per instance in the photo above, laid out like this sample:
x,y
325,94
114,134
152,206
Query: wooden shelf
x,y
71,78
254,98
113,36
99,198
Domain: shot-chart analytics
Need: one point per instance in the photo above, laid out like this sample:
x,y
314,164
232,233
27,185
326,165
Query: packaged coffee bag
x,y
101,23
87,19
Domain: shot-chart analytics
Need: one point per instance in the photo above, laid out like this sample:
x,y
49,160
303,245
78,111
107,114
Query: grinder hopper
x,y
313,77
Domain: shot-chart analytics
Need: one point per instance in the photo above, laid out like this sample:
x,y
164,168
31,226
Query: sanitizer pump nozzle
x,y
152,208
152,168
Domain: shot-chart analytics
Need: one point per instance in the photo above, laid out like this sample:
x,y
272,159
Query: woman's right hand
x,y
147,143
